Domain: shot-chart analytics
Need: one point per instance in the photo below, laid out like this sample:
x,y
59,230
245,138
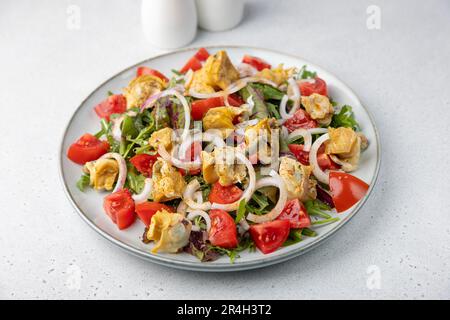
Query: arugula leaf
x,y
245,243
176,72
345,118
295,236
128,127
304,73
240,213
309,232
135,182
105,128
110,93
198,221
260,109
325,221
316,207
258,204
83,182
141,140
269,92
273,110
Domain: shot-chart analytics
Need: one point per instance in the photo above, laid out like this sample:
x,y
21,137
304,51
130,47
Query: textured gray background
x,y
401,72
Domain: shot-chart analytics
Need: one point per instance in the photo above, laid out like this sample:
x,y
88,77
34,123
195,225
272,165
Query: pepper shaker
x,y
169,23
219,15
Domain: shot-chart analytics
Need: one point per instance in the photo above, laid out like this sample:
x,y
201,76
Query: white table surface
x,y
401,72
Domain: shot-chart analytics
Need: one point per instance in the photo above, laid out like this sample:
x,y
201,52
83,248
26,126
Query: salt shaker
x,y
219,15
169,23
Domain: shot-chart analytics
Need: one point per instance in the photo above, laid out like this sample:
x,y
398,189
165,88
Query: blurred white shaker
x,y
219,15
169,23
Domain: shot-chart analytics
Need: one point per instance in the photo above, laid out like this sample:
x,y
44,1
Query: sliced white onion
x,y
296,98
182,208
246,70
276,181
317,171
245,124
122,169
247,194
187,165
318,130
232,88
188,195
251,104
225,100
198,196
202,214
187,114
275,149
199,95
151,101
116,130
145,193
307,137
188,77
283,113
244,224
284,133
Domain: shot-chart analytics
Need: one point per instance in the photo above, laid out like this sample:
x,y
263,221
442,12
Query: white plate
x,y
89,203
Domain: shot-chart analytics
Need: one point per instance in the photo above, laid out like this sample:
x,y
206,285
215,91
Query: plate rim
x,y
217,267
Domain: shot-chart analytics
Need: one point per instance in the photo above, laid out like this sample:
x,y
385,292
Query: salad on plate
x,y
221,157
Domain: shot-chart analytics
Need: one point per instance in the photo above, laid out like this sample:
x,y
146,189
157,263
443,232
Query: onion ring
x,y
277,181
317,171
177,162
188,195
145,193
122,169
202,214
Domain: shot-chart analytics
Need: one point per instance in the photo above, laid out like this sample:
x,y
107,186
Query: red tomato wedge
x,y
115,103
295,212
144,163
235,100
146,210
146,70
302,156
87,148
120,208
258,63
195,63
269,236
224,195
318,86
323,159
202,54
223,231
201,107
301,119
346,190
